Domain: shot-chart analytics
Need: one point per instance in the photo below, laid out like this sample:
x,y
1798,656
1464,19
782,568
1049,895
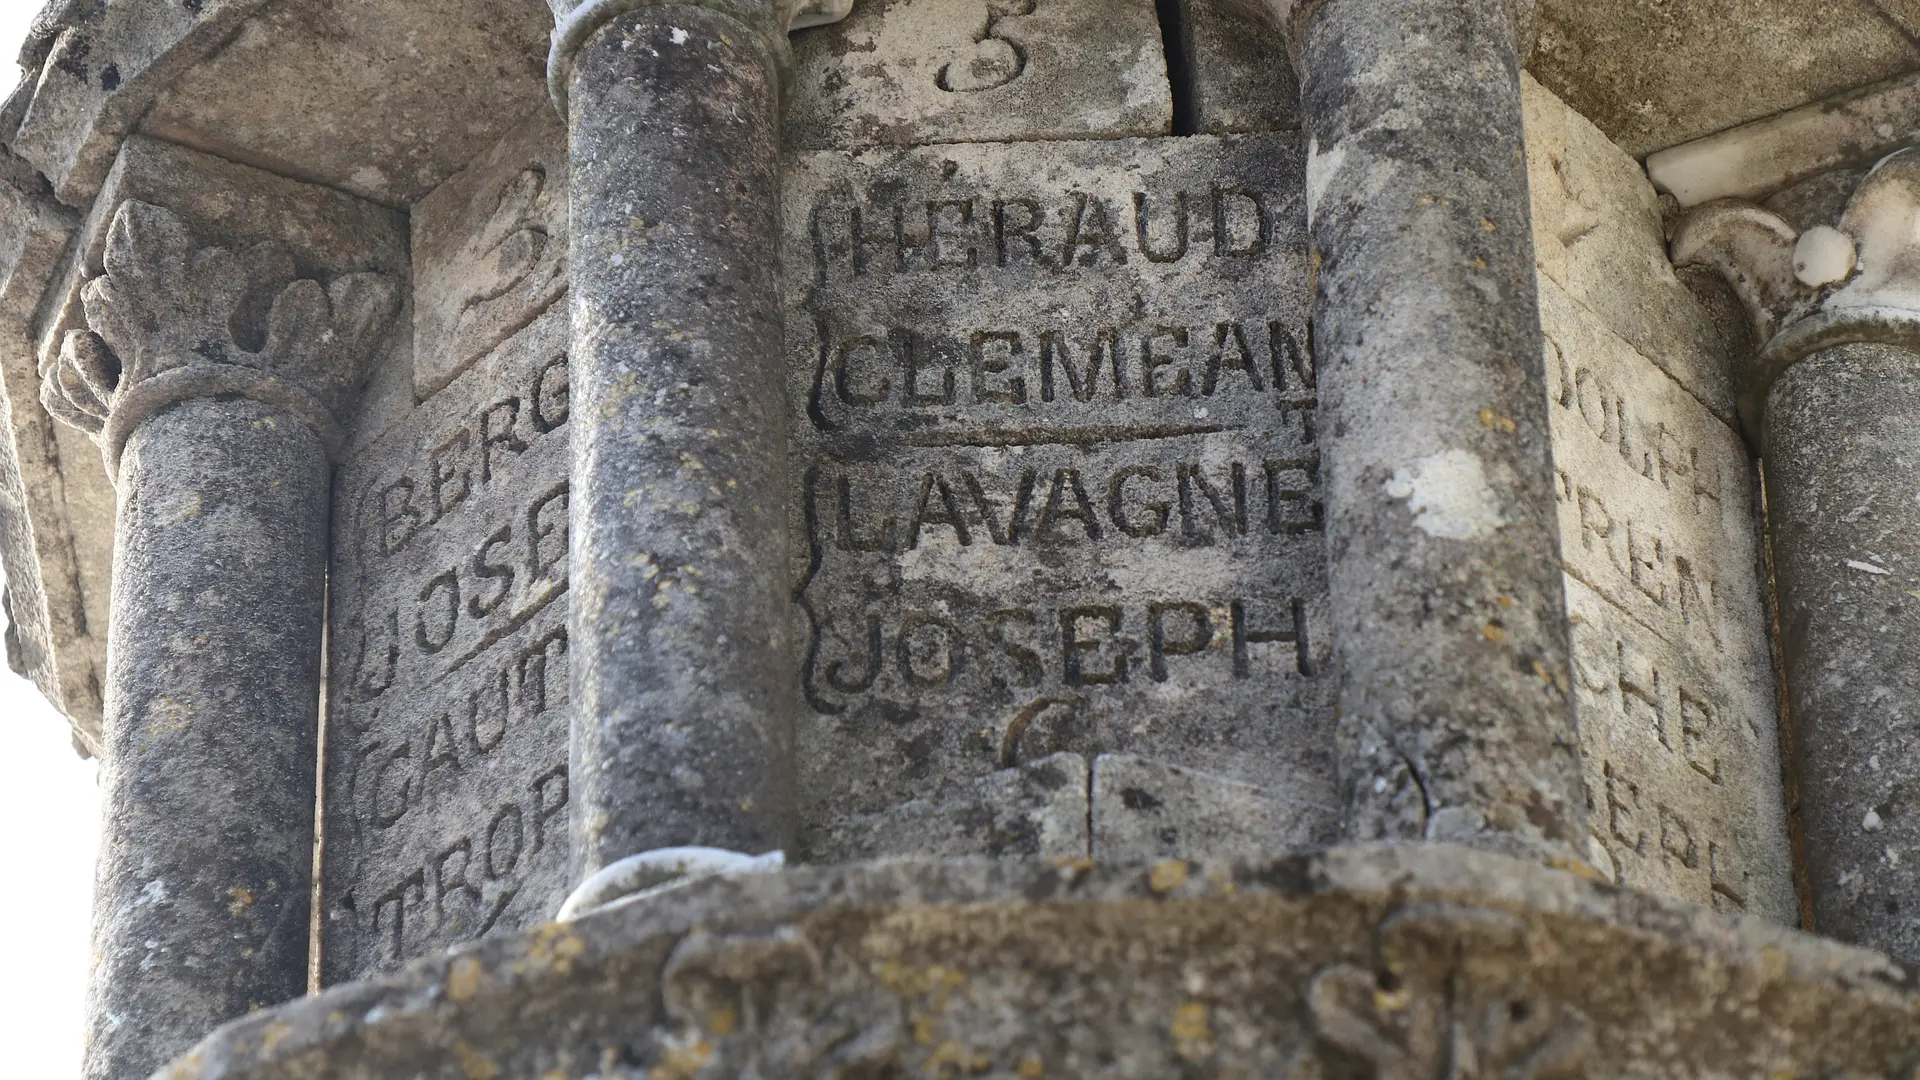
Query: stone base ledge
x,y
1390,961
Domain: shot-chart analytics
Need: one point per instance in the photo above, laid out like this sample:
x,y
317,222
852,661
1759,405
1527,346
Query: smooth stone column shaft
x,y
1449,614
212,709
681,668
1842,446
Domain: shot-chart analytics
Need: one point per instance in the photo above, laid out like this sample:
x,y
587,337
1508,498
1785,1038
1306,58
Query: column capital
x,y
171,320
1856,281
769,21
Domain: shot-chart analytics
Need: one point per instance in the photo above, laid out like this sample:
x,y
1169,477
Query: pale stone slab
x,y
1673,671
1598,234
1149,810
1057,470
490,247
447,731
902,72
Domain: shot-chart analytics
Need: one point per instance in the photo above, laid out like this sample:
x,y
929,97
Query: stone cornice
x,y
768,21
171,320
1855,281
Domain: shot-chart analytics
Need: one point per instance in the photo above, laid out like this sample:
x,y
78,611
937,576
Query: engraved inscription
x,y
1058,471
490,252
1672,674
446,774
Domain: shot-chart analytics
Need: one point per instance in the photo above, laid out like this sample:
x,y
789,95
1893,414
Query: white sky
x,y
49,826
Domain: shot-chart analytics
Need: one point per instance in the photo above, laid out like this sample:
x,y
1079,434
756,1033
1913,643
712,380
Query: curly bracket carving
x,y
1452,999
757,1007
171,321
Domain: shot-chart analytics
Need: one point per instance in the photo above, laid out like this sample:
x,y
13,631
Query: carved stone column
x,y
1832,402
683,677
212,379
1449,616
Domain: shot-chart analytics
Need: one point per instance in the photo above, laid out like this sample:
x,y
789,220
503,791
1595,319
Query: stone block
x,y
1149,810
490,247
1033,811
1672,664
1056,469
446,772
1598,234
905,72
1419,960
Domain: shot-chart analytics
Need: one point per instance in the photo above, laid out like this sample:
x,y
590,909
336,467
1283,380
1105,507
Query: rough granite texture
x,y
1448,611
1408,962
1842,472
680,633
934,71
1056,472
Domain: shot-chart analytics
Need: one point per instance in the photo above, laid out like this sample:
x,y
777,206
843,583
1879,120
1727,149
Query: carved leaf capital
x,y
1856,280
171,320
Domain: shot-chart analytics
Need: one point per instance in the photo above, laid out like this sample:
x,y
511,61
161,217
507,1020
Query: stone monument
x,y
1003,538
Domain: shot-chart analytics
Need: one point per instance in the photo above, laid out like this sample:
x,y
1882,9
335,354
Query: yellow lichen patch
x,y
239,899
1577,868
1487,225
273,1035
1392,1001
1167,876
553,947
1192,1034
722,1022
464,979
475,1064
166,716
681,1061
1031,1068
1494,631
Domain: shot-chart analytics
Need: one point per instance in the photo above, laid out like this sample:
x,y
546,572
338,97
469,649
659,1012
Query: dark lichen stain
x,y
1134,798
110,78
73,59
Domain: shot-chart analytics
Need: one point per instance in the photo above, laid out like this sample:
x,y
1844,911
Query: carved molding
x,y
1452,996
170,321
769,21
1855,281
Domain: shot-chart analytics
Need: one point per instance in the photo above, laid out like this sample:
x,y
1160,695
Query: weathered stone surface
x,y
683,661
1395,962
1842,472
1056,471
55,611
1672,663
1237,69
1035,810
1598,233
490,251
99,76
933,71
1653,74
384,100
447,784
1147,810
210,377
1449,614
